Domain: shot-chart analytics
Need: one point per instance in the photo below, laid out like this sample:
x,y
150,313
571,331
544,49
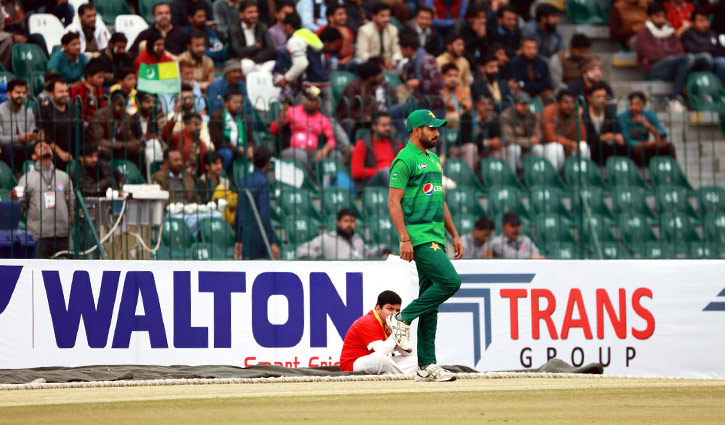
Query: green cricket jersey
x,y
419,175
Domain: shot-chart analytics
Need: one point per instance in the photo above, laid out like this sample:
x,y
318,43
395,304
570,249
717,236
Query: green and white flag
x,y
159,78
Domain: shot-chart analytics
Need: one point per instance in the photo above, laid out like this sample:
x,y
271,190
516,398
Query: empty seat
x,y
296,203
6,77
594,226
374,201
540,172
551,228
338,81
47,25
547,199
177,237
291,174
710,199
502,199
463,201
665,171
288,252
673,199
635,230
622,171
300,229
586,12
497,172
326,171
109,9
628,199
205,251
239,171
589,200
129,170
131,26
654,250
702,251
677,230
28,60
333,200
459,171
611,250
705,91
581,172
217,231
714,226
382,231
564,251
392,79
464,223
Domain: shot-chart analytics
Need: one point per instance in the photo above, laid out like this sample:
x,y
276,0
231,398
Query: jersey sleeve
x,y
399,174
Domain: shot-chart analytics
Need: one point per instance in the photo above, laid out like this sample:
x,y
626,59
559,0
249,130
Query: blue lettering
x,y
325,301
152,321
8,279
185,335
222,284
96,321
285,335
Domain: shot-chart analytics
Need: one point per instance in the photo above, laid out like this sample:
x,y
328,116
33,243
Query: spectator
x,y
69,62
627,19
491,84
127,84
474,242
116,134
521,131
226,13
94,38
446,12
356,14
701,39
374,153
480,134
231,128
505,30
96,174
454,54
511,244
660,53
46,96
197,25
603,134
345,46
590,68
276,31
313,13
531,71
423,79
379,38
17,125
155,52
114,58
679,15
499,51
174,36
250,40
341,244
188,140
474,35
250,243
213,178
306,124
186,75
90,92
428,36
202,64
544,30
175,179
562,124
180,11
47,206
564,65
643,132
375,96
151,120
61,9
58,123
232,78
456,96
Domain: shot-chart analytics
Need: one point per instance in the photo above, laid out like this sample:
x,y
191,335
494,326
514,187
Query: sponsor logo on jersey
x,y
422,166
428,189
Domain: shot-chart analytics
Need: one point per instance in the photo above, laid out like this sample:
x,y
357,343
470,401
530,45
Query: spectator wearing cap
x,y
603,133
521,131
197,25
94,36
564,65
474,243
379,38
366,96
17,125
230,129
250,41
660,53
374,153
544,30
155,52
95,175
456,96
212,178
175,179
114,58
643,132
531,71
428,35
480,134
626,20
679,14
343,56
174,36
455,47
306,125
562,124
90,92
505,30
232,79
701,39
58,121
276,31
511,244
116,133
180,11
226,13
490,83
202,64
590,68
69,62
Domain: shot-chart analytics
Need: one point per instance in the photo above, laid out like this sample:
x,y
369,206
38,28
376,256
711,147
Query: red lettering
x,y
247,361
311,364
575,298
537,314
643,313
604,303
513,295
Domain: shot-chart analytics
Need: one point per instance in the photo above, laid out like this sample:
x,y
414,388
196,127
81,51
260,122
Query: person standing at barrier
x,y
420,215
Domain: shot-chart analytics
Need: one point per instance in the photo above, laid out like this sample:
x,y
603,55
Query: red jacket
x,y
383,152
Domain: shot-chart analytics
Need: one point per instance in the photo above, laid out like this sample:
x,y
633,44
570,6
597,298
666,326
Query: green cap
x,y
423,118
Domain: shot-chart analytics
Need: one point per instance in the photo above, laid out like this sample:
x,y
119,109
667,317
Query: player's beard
x,y
428,142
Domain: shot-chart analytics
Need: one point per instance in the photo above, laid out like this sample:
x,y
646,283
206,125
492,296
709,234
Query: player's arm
x,y
396,214
448,223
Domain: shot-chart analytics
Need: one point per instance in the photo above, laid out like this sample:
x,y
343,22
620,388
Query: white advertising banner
x,y
647,318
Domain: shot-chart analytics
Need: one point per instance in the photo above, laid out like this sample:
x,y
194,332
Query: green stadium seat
x,y
163,253
595,225
338,81
714,226
449,136
4,194
382,231
586,12
129,170
551,228
333,200
635,230
7,178
109,9
28,60
497,172
502,199
360,133
146,9
622,171
300,229
665,171
654,250
326,169
580,172
710,199
547,199
239,170
217,231
392,79
177,237
288,252
540,172
459,171
464,223
612,250
677,230
564,251
631,200
6,77
702,251
375,201
674,199
705,91
589,199
293,203
29,165
463,201
205,251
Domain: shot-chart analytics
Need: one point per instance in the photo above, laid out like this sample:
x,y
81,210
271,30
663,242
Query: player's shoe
x,y
434,373
400,332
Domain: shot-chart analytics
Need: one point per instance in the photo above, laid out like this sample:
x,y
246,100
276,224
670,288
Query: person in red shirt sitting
x,y
155,52
373,154
368,346
89,94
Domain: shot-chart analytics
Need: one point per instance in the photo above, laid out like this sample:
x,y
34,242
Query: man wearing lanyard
x,y
368,346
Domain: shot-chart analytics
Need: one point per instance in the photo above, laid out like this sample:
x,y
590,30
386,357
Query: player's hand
x,y
458,248
406,251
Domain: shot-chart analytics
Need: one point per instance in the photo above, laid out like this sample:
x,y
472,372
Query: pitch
x,y
464,401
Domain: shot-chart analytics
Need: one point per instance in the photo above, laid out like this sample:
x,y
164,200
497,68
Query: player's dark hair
x,y
344,213
544,10
484,223
580,40
232,91
388,297
504,9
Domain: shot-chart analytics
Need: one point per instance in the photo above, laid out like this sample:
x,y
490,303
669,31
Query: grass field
x,y
521,400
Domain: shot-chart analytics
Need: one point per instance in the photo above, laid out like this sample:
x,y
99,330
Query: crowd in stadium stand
x,y
482,65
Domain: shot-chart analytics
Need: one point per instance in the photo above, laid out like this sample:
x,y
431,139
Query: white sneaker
x,y
434,373
401,333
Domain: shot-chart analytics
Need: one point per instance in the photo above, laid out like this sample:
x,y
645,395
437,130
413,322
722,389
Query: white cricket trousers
x,y
378,364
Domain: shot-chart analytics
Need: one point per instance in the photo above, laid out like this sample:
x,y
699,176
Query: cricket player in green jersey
x,y
420,215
